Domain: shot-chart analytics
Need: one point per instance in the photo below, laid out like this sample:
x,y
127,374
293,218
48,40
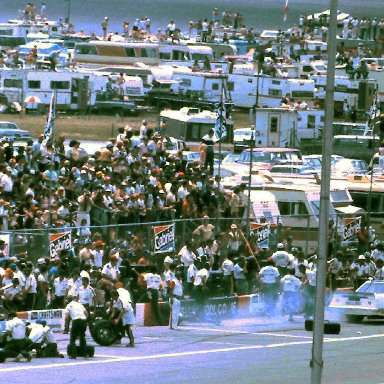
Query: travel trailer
x,y
243,90
280,127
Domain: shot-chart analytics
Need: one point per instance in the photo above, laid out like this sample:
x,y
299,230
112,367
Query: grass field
x,y
95,127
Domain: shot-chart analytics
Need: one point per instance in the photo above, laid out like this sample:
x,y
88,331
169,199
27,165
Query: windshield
x,y
372,287
239,132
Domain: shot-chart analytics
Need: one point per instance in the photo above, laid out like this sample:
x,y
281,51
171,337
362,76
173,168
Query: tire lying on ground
x,y
3,356
104,332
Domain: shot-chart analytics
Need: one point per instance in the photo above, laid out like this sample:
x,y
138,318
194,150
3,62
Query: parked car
x,y
293,169
345,167
313,161
242,138
366,301
10,131
265,158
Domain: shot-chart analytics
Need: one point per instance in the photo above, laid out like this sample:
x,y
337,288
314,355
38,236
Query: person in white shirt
x,y
168,274
175,297
42,339
110,270
227,266
360,270
77,313
239,271
59,290
269,279
200,289
153,281
12,295
30,289
290,286
191,274
86,293
310,288
19,343
282,259
379,273
122,313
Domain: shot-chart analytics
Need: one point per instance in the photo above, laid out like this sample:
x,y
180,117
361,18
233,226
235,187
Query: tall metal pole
x,y
69,10
318,329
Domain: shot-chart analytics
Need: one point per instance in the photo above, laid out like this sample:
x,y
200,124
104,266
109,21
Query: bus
x,y
108,52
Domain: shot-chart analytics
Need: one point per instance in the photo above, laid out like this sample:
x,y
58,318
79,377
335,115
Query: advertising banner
x,y
351,226
262,232
58,242
164,238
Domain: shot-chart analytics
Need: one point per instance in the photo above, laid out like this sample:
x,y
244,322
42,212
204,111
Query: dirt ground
x,y
95,127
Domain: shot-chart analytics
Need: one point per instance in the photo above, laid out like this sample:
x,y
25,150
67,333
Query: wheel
x,y
72,351
104,332
354,318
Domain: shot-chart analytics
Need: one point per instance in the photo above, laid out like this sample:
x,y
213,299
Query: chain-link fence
x,y
114,228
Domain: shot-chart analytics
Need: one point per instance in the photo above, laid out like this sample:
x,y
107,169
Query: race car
x,y
366,301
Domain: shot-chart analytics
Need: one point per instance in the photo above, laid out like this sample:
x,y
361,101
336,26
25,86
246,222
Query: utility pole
x,y
318,326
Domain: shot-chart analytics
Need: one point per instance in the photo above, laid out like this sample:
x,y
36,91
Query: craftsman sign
x,y
262,232
351,226
59,242
164,238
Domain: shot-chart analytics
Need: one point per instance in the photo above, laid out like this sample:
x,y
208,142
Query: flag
x,y
374,112
48,130
220,126
285,11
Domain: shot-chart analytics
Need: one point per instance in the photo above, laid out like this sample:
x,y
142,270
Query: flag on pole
x,y
285,11
49,125
220,126
374,112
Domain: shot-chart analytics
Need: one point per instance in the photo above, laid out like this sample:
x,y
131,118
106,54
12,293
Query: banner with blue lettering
x,y
164,238
262,232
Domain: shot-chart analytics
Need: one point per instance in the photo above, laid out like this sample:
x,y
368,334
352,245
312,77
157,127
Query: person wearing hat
x,y
360,271
168,273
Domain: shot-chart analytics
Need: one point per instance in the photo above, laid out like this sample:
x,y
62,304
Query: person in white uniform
x,y
123,313
290,286
175,297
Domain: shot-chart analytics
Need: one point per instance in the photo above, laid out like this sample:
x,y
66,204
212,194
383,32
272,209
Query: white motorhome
x,y
73,90
243,90
280,127
20,28
178,54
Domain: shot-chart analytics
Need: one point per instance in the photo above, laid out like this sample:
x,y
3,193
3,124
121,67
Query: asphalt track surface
x,y
236,351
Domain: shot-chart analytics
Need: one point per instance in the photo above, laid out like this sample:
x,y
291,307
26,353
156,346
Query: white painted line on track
x,y
247,333
182,354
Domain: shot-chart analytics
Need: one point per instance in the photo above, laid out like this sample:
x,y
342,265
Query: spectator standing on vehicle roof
x,y
210,152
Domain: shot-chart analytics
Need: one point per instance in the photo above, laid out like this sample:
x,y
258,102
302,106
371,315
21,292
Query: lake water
x,y
261,14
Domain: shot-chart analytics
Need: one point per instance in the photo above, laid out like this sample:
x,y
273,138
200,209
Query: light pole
x,y
68,10
318,326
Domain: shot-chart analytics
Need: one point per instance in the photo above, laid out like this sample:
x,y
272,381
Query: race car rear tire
x,y
354,318
3,356
104,332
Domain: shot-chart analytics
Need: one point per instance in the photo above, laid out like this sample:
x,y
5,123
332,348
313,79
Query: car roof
x,y
269,149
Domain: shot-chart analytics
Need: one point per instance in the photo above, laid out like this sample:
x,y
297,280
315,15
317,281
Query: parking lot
x,y
247,351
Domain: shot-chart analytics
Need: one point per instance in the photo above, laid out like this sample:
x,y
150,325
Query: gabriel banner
x,y
164,238
58,242
262,232
351,227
